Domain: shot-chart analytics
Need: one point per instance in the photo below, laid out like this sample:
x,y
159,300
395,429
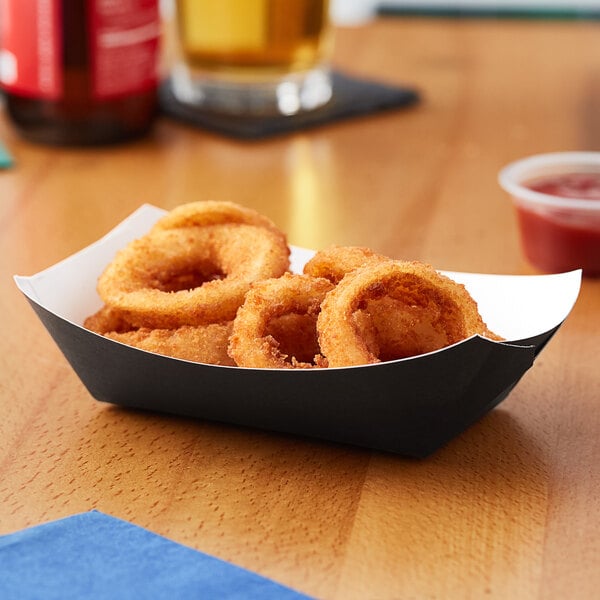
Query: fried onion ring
x,y
203,343
336,261
393,310
107,319
191,275
274,311
210,283
210,212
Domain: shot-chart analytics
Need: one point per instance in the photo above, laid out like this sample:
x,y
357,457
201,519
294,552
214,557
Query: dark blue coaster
x,y
352,97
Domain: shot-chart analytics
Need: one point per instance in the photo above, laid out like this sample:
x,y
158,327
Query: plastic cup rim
x,y
511,175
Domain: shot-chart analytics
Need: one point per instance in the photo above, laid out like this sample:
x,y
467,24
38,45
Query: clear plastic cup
x,y
559,220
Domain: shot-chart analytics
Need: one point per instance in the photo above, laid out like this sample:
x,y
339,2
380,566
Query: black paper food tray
x,y
411,406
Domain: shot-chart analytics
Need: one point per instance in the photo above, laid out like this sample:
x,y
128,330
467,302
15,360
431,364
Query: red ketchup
x,y
559,239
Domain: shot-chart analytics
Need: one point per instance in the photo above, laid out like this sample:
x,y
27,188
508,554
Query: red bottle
x,y
80,71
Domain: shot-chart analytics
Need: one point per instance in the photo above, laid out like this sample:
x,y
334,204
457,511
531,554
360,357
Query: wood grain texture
x,y
509,509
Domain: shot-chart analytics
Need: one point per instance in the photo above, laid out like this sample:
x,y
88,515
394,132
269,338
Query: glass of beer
x,y
253,57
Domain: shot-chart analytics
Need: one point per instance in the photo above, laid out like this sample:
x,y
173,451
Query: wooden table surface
x,y
509,509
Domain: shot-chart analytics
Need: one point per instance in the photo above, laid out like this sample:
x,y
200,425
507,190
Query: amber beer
x,y
237,43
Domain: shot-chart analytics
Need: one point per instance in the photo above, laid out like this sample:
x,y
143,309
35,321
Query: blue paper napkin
x,y
93,555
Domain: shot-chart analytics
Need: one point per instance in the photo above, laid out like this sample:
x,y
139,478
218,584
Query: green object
x,y
6,160
495,12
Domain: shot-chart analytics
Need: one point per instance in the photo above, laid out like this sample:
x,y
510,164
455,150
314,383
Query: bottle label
x,y
30,38
123,44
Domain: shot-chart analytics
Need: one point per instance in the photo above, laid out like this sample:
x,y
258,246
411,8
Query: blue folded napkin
x,y
93,555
